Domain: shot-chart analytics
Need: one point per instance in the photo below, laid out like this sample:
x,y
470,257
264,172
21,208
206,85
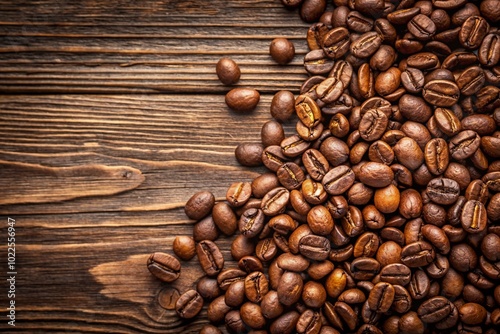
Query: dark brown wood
x,y
144,47
95,165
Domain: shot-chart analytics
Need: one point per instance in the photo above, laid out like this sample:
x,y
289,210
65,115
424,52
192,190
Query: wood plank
x,y
147,47
179,143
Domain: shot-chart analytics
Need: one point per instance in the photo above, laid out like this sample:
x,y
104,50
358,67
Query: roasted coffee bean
x,y
375,174
210,257
294,146
249,154
408,153
251,223
381,297
238,193
488,52
275,201
366,45
422,27
442,93
189,304
437,238
273,157
228,71
290,288
447,121
338,180
434,309
437,156
208,287
472,314
474,217
256,286
314,247
290,175
473,31
272,132
366,245
395,273
242,100
463,257
320,220
336,42
307,110
412,80
210,329
184,247
266,249
443,191
316,62
364,268
315,163
309,322
282,50
417,254
199,205
164,266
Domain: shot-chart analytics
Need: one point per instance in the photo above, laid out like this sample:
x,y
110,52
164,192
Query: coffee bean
x,y
275,201
228,71
443,191
442,93
437,156
314,247
417,254
474,217
184,247
364,268
338,180
434,309
381,297
251,223
395,273
256,286
199,205
189,304
375,174
242,100
472,313
210,257
309,322
366,45
164,266
316,62
422,27
282,50
472,32
336,42
290,288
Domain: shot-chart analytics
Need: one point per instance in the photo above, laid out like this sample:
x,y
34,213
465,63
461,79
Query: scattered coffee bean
x,y
228,71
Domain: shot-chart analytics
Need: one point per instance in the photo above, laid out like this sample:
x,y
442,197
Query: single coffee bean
x,y
437,156
338,180
381,297
366,45
443,191
309,322
266,249
417,254
434,309
208,288
294,146
473,31
422,27
336,42
242,100
347,314
472,314
199,205
366,245
442,93
375,174
329,90
275,201
285,324
210,257
290,288
282,50
316,62
238,193
447,121
249,154
314,247
228,71
311,10
462,257
364,268
315,35
290,175
252,315
474,217
273,157
488,53
189,304
256,286
164,266
409,153
307,110
251,223
352,222
436,237
395,273
357,22
184,247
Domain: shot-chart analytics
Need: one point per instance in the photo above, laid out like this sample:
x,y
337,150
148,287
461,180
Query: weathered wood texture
x,y
129,46
95,168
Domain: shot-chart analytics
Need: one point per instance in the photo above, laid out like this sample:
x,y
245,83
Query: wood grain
x,y
144,47
113,86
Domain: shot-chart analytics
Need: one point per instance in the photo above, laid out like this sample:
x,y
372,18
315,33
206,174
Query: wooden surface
x,y
111,117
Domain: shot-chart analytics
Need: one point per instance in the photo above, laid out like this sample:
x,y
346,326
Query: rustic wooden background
x,y
111,117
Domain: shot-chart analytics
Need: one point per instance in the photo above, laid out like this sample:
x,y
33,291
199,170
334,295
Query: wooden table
x,y
111,117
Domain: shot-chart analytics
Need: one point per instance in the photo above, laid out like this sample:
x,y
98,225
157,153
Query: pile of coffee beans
x,y
381,213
